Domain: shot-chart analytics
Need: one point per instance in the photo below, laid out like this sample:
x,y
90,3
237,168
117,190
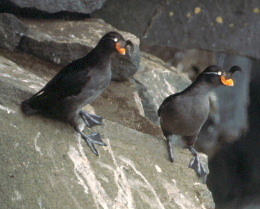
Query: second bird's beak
x,y
226,78
120,49
227,82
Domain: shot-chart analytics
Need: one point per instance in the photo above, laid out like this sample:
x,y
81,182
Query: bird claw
x,y
94,139
90,119
196,165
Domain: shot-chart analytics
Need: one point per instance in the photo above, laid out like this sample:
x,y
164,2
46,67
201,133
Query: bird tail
x,y
29,106
34,104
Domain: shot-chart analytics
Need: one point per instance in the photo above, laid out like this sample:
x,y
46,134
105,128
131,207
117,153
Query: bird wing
x,y
69,81
165,102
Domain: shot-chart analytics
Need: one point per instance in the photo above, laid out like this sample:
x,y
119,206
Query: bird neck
x,y
200,86
99,56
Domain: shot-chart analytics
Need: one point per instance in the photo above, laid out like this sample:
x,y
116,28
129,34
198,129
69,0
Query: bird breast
x,y
95,87
186,116
98,82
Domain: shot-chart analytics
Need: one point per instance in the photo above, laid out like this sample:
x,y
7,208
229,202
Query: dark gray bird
x,y
185,113
78,84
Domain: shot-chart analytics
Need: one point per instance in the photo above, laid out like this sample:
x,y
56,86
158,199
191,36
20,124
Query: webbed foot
x,y
91,140
196,163
90,119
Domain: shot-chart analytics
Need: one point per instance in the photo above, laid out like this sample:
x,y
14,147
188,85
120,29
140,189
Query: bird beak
x,y
226,78
227,82
120,49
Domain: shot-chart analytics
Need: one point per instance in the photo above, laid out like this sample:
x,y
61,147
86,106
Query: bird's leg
x,y
90,119
171,143
196,164
171,153
91,140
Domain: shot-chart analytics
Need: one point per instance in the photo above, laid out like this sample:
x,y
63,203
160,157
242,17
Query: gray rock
x,y
80,6
47,165
136,101
11,31
134,16
125,106
63,41
155,82
218,26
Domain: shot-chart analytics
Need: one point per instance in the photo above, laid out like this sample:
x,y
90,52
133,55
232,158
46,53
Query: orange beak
x,y
119,49
227,82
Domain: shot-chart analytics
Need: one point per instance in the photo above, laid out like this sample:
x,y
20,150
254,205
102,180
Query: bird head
x,y
217,73
116,42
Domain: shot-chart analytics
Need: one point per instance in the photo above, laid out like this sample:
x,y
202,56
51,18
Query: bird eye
x,y
115,39
219,73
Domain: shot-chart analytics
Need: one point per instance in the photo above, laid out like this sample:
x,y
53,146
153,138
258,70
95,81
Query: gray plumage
x,y
79,84
185,113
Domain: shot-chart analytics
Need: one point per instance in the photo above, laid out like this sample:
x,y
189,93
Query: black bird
x,y
184,113
78,84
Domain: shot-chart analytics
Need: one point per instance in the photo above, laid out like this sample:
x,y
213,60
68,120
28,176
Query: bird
x,y
184,113
78,84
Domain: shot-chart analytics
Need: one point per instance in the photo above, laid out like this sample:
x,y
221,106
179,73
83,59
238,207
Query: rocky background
x,y
45,164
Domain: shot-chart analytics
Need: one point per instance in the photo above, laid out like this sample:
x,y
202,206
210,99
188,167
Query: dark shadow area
x,y
234,178
8,7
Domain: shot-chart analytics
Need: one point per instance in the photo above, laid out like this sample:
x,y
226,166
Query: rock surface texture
x,y
45,164
80,6
11,31
48,165
61,42
230,26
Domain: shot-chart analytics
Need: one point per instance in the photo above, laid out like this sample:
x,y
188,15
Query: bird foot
x,y
93,139
196,165
90,119
170,148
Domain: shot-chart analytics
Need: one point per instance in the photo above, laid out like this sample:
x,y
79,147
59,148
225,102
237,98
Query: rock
x,y
188,61
198,25
155,82
135,103
131,15
125,107
80,6
124,100
11,31
62,41
121,98
47,165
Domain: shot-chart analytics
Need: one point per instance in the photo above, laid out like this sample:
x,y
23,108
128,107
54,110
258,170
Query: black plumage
x,y
78,84
185,113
